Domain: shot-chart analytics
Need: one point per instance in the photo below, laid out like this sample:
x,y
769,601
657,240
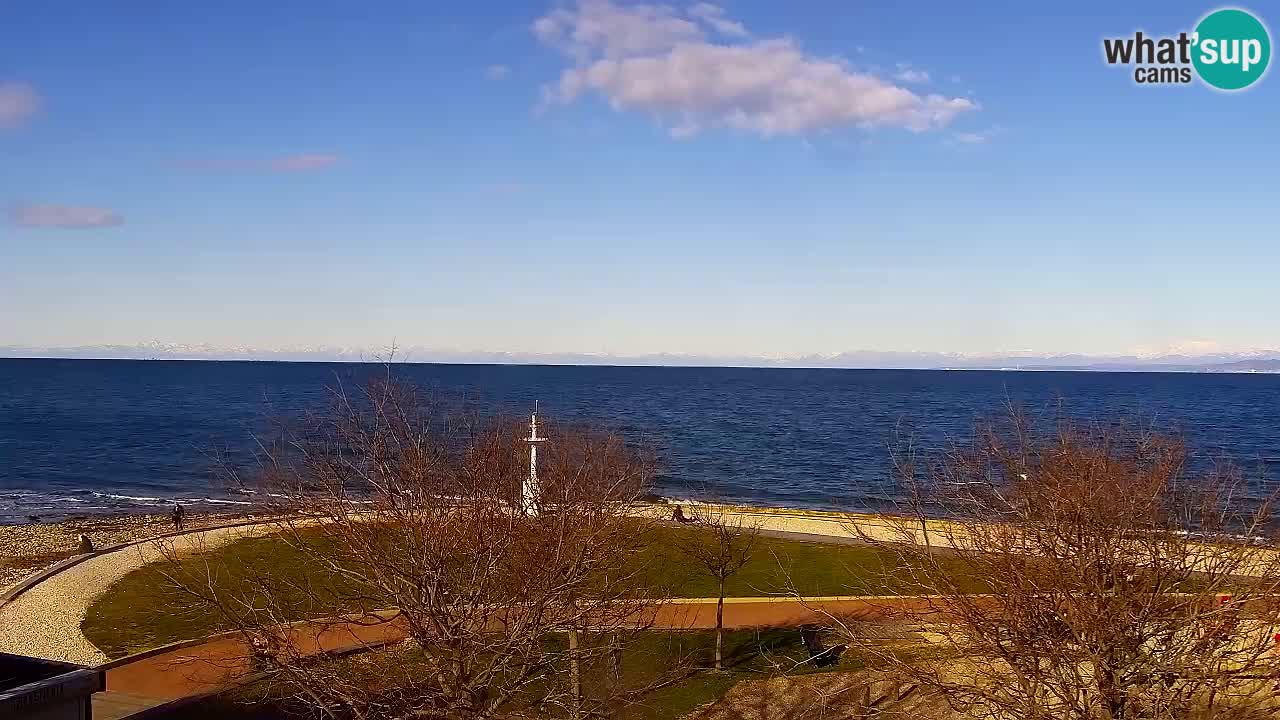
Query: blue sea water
x,y
88,436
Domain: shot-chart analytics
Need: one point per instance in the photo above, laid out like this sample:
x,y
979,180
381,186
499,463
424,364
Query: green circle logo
x,y
1231,49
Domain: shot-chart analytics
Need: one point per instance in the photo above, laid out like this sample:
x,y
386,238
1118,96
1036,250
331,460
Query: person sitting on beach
x,y
86,545
677,515
177,518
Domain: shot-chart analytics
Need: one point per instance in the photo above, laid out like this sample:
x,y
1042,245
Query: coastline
x,y
31,547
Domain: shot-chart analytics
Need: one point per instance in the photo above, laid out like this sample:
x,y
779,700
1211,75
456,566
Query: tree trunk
x,y
575,677
1113,696
720,627
615,677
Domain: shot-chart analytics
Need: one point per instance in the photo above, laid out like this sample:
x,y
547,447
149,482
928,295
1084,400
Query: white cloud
x,y
713,15
908,74
598,27
655,60
497,72
63,216
18,102
978,137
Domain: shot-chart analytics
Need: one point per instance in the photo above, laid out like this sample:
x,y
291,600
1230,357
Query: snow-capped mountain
x,y
1244,361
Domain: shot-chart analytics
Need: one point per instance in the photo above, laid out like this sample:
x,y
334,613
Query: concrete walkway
x,y
45,620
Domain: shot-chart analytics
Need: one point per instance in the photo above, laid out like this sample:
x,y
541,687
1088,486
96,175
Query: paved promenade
x,y
195,669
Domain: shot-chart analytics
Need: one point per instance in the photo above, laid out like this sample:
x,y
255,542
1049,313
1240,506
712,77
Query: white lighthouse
x,y
531,491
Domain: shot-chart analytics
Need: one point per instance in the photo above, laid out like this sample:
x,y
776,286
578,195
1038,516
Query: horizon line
x,y
1153,368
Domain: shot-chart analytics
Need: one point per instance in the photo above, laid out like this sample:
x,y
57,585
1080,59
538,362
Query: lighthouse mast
x,y
530,491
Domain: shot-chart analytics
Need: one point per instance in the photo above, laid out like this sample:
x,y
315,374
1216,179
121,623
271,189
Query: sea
x,y
95,437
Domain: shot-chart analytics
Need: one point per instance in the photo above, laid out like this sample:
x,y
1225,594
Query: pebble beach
x,y
28,548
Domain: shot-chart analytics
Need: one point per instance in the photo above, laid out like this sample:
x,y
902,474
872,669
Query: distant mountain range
x,y
1257,361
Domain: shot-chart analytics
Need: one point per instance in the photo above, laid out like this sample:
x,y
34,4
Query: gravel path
x,y
25,549
45,621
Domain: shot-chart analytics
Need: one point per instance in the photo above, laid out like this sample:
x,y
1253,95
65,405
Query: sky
x,y
742,178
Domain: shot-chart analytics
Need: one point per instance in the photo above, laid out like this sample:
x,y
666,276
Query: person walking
x,y
178,525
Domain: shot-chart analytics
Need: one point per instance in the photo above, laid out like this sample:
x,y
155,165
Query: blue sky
x,y
747,178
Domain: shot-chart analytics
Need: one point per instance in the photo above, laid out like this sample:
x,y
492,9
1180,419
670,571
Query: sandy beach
x,y
25,549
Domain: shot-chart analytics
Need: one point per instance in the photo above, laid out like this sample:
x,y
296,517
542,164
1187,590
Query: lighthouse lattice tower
x,y
531,491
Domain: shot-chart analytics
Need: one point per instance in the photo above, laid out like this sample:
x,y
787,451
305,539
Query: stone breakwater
x,y
25,549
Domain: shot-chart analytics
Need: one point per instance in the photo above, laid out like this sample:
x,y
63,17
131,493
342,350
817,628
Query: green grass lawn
x,y
146,610
778,566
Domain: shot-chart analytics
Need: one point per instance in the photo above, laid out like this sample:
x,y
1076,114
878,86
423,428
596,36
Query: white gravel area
x,y
45,621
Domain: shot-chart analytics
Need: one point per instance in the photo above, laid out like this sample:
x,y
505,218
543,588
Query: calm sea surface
x,y
86,437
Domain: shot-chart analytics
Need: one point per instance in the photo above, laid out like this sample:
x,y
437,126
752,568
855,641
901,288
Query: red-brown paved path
x,y
205,667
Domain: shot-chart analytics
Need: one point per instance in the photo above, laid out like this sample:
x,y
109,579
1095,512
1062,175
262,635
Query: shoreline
x,y
29,548
26,507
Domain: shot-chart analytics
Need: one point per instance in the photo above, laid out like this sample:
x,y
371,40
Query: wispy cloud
x,y
699,69
18,103
908,74
714,16
497,72
302,162
978,137
63,216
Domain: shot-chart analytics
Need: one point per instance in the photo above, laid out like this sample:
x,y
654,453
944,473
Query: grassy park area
x,y
1092,545
145,609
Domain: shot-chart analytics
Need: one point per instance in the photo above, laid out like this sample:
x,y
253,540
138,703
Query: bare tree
x,y
1083,573
720,545
411,512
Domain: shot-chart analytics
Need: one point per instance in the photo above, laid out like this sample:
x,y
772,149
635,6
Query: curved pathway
x,y
192,669
45,620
